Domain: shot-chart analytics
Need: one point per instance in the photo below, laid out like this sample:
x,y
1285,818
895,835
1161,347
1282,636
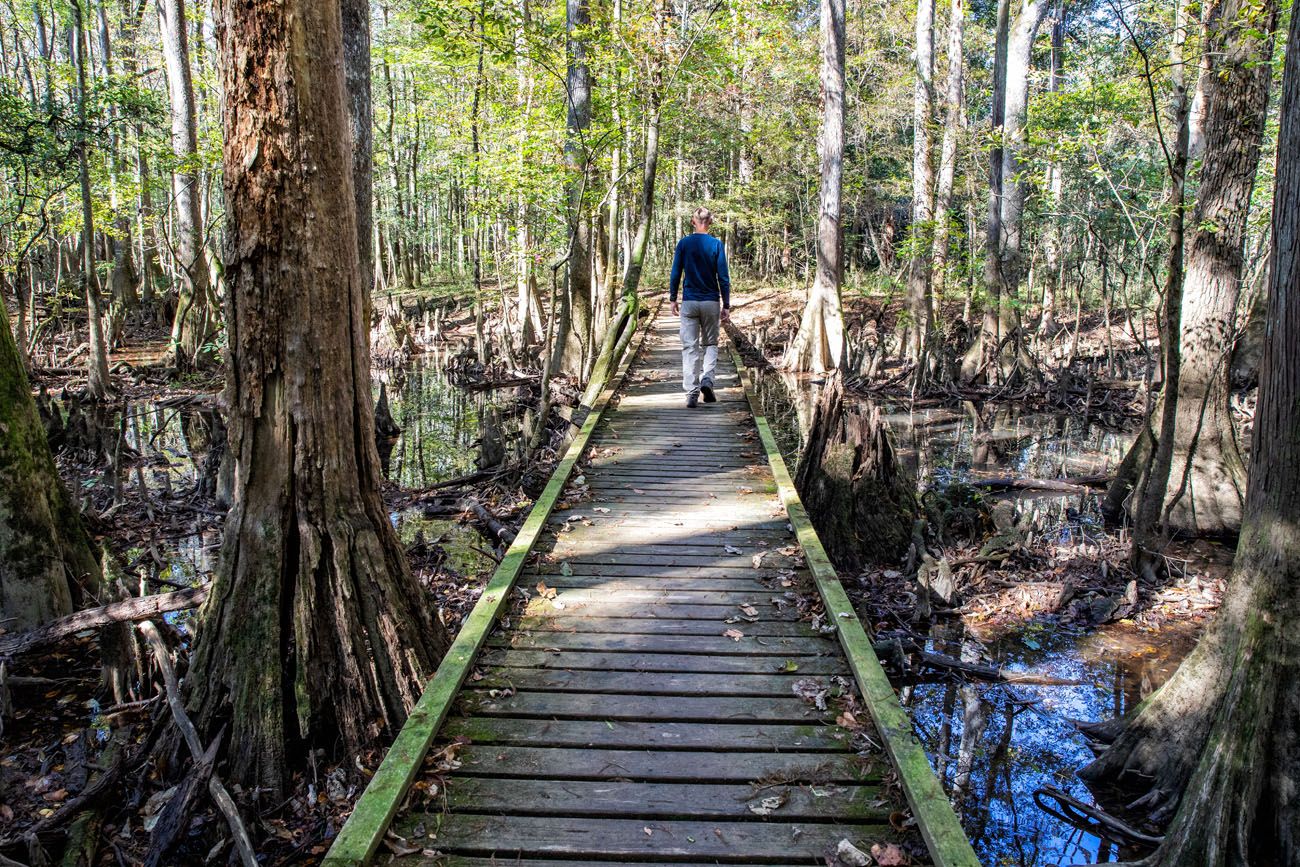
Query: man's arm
x,y
676,278
724,279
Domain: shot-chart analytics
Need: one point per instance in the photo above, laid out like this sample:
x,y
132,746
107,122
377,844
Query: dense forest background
x,y
689,103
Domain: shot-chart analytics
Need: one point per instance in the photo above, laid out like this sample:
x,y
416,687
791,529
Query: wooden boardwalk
x,y
663,694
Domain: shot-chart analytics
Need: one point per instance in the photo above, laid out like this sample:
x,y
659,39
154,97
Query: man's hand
x,y
726,314
677,309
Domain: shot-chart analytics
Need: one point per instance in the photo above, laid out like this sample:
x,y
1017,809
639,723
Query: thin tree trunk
x,y
636,257
97,379
194,324
819,343
920,318
573,337
953,99
986,339
1047,324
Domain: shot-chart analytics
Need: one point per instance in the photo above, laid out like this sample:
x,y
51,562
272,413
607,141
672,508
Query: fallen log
x,y
896,651
1075,485
493,384
503,534
126,610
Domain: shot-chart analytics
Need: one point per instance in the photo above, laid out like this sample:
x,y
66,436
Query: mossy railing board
x,y
361,834
938,823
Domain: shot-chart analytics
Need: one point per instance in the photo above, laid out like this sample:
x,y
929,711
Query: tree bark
x,y
194,324
361,117
45,554
315,631
819,343
1222,731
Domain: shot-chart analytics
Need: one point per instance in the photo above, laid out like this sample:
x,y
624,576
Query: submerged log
x,y
861,499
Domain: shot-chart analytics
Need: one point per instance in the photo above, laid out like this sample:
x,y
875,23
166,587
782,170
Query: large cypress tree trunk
x,y
819,343
315,631
1206,486
45,554
194,323
1204,489
1222,732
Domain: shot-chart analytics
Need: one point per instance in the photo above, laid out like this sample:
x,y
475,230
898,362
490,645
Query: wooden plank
x,y
633,570
943,834
617,706
651,765
542,614
734,562
696,522
357,841
543,836
642,800
593,547
576,596
680,473
775,586
660,534
684,501
620,734
747,645
639,661
669,624
645,682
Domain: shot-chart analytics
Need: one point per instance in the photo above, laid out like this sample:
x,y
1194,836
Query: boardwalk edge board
x,y
935,818
360,836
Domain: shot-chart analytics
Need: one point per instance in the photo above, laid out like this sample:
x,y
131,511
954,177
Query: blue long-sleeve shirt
x,y
702,261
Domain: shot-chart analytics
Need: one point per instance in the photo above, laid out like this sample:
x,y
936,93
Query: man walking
x,y
702,262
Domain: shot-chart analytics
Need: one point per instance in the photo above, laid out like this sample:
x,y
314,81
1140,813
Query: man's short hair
x,y
703,215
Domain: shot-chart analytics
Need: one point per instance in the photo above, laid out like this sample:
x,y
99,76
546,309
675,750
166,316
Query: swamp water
x,y
994,745
440,430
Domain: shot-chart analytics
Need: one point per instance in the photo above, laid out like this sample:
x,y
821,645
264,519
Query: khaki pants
x,y
699,332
